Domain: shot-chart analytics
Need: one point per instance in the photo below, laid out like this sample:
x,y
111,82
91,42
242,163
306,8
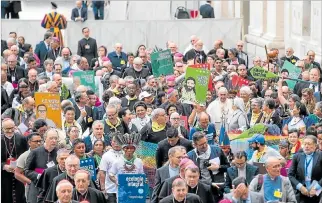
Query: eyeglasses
x,y
176,119
240,45
111,115
42,111
74,131
37,141
53,138
23,86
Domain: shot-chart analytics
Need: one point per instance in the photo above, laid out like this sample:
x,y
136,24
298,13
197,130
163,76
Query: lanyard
x,y
307,163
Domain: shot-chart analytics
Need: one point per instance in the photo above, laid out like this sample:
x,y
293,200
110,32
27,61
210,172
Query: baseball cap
x,y
144,95
259,138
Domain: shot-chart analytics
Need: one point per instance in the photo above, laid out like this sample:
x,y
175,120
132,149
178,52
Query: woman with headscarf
x,y
238,119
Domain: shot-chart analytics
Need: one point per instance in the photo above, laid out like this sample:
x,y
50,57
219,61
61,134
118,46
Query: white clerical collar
x,y
8,136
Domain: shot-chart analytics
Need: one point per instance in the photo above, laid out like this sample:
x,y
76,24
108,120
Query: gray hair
x,y
245,89
222,90
155,113
311,137
259,101
111,106
72,157
63,183
48,61
174,114
171,94
114,78
97,122
78,59
12,40
114,101
179,183
198,136
51,130
49,84
319,105
175,149
62,151
272,159
129,79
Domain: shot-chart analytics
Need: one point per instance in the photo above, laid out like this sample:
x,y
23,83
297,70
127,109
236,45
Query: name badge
x,y
277,194
90,119
122,62
50,164
12,162
307,178
87,46
13,78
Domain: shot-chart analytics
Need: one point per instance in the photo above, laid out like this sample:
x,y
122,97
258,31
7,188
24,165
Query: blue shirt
x,y
173,171
210,133
270,186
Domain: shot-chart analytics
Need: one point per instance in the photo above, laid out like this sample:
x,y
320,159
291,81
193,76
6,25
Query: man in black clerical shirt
x,y
180,194
84,193
87,46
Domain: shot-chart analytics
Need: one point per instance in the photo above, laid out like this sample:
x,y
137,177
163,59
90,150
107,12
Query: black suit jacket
x,y
160,176
90,52
3,46
240,61
75,14
232,173
191,198
18,73
86,122
203,191
296,172
5,104
94,195
41,52
207,11
53,54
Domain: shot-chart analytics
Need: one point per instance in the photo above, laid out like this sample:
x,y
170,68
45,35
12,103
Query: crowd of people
x,y
193,163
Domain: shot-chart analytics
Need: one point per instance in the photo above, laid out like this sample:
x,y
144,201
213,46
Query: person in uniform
x,y
12,146
55,22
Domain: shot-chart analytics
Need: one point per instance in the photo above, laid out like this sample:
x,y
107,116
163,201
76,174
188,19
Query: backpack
x,y
260,182
181,13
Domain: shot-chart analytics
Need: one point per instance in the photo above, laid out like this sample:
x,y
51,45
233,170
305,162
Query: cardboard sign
x,y
195,86
256,129
89,165
85,78
261,73
132,188
162,63
293,72
205,66
184,122
48,108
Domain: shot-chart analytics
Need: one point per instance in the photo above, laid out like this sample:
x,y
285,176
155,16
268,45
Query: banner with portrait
x,y
48,108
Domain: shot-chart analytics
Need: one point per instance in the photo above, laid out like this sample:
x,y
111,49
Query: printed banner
x,y
205,66
48,108
132,188
162,63
85,78
89,165
195,86
256,129
184,122
293,72
261,73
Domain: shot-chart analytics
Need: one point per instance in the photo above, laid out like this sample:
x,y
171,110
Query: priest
x,y
12,146
180,194
49,174
64,192
40,159
82,191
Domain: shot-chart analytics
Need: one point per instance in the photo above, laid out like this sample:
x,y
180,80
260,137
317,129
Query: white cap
x,y
144,95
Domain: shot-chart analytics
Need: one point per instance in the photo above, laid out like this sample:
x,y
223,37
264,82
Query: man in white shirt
x,y
5,84
107,186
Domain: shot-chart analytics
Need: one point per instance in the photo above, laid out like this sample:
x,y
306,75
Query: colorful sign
x,y
195,86
132,188
48,108
261,73
85,78
293,72
89,165
162,63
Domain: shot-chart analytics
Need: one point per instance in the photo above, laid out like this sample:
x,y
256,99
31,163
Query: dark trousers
x,y
111,198
98,12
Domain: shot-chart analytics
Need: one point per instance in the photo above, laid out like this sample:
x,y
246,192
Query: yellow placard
x,y
48,108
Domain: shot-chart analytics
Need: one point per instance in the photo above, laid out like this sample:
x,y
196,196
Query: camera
x,y
207,164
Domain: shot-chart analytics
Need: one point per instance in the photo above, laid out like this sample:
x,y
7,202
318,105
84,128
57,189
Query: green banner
x,y
293,72
85,78
195,86
256,129
162,63
261,73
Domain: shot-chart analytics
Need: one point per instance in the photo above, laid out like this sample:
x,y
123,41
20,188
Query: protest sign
x,y
184,122
85,78
162,63
89,165
48,108
132,188
237,82
293,72
261,73
205,66
195,86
